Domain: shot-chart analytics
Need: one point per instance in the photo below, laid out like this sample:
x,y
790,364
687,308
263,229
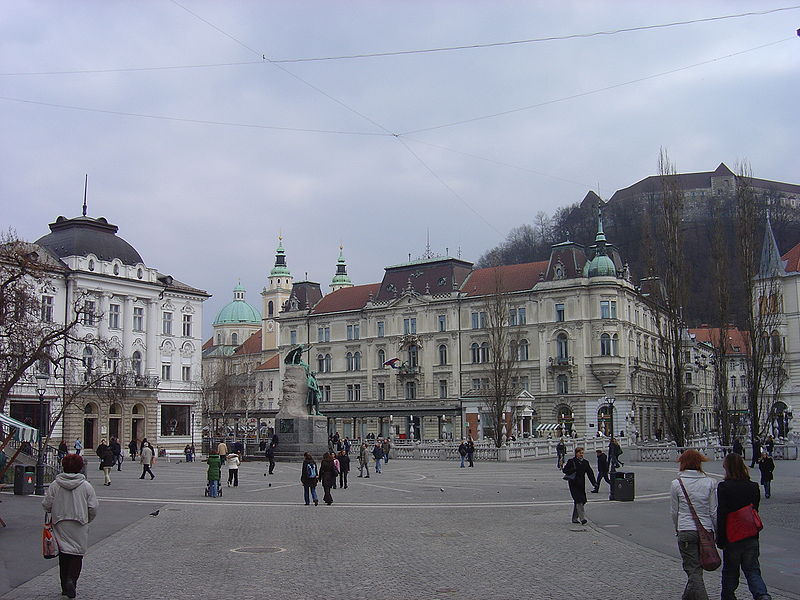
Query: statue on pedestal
x,y
292,388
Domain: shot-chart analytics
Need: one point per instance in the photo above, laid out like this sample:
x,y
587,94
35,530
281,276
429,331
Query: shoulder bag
x,y
49,544
709,557
742,524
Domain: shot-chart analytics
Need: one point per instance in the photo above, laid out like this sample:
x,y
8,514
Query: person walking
x,y
387,446
614,452
602,470
213,474
187,452
77,445
769,445
766,465
736,492
62,450
738,448
561,454
575,472
462,452
377,453
146,457
269,453
700,489
470,452
116,450
222,450
132,449
344,468
363,461
107,461
756,452
71,503
327,473
309,477
232,460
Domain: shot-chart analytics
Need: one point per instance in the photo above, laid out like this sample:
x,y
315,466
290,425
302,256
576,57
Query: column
x,y
127,327
152,346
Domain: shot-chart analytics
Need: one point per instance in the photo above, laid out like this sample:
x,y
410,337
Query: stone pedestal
x,y
298,432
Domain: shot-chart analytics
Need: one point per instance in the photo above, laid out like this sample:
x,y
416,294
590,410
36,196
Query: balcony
x,y
406,371
605,367
561,363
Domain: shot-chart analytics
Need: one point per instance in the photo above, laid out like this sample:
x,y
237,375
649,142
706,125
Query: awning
x,y
22,433
547,427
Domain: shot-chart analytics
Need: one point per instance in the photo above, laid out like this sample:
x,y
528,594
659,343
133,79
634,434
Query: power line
x,y
391,53
188,120
594,91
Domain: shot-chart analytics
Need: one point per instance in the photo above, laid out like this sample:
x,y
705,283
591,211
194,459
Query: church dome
x,y
82,236
600,266
238,312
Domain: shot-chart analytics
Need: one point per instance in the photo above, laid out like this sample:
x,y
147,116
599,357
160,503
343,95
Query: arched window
x,y
442,354
349,361
270,308
562,347
411,390
522,350
604,420
485,356
413,356
476,353
320,363
381,359
327,363
136,363
219,339
235,339
605,345
88,358
357,361
562,384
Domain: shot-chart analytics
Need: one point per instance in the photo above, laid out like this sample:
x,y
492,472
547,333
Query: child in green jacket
x,y
214,469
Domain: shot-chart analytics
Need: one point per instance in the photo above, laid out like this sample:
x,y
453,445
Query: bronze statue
x,y
314,395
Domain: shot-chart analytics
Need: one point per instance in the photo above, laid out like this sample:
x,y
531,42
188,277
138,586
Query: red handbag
x,y
742,524
49,544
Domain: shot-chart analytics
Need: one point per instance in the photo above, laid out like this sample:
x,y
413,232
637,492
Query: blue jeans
x,y
377,465
313,490
463,458
767,489
742,554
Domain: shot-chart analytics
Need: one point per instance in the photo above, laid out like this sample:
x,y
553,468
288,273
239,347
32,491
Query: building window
x,y
381,328
270,308
562,347
326,393
559,313
381,359
187,325
381,391
175,419
413,356
688,377
323,334
166,323
112,360
293,337
476,383
357,361
186,373
476,353
442,354
605,345
442,322
733,382
353,332
353,392
113,316
349,361
411,390
320,363
271,383
521,316
235,338
138,318
608,309
260,386
522,350
478,320
409,326
88,313
166,372
443,388
88,358
485,354
512,317
562,384
47,309
136,363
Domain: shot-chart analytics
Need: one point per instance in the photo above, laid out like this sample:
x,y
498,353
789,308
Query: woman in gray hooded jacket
x,y
72,504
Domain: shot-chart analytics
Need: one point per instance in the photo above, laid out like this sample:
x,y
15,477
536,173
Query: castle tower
x,y
279,287
341,279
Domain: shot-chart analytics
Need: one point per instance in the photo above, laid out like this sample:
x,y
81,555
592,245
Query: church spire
x,y
341,279
771,262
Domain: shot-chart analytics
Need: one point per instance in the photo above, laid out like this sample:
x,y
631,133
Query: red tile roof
x,y
251,345
271,364
792,258
209,343
350,298
509,278
736,338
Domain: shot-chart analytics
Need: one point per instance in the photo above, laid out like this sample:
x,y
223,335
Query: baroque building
x,y
410,356
147,325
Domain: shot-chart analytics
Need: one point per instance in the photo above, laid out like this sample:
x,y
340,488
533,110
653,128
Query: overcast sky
x,y
364,151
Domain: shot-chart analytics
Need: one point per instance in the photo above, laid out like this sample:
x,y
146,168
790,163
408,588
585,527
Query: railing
x,y
670,453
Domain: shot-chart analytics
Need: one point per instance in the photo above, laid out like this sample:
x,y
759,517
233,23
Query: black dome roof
x,y
84,235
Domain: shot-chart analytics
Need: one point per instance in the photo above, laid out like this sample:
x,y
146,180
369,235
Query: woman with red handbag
x,y
738,525
693,501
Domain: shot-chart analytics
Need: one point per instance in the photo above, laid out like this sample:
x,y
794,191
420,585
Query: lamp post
x,y
609,389
702,363
41,389
191,425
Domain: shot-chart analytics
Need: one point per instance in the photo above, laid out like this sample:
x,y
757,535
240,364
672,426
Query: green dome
x,y
600,266
238,311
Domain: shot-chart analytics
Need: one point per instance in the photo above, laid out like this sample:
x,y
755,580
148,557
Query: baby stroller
x,y
213,489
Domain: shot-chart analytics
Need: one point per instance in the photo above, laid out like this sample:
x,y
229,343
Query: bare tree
x,y
503,347
218,391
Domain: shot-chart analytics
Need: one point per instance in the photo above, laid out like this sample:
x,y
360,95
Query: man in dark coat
x,y
614,452
116,450
470,452
575,472
270,455
738,448
602,470
756,452
561,453
344,468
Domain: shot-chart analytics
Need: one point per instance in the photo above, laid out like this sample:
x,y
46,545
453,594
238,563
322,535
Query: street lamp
x,y
609,389
191,424
41,389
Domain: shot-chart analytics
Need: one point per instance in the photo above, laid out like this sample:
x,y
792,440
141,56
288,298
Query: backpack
x,y
311,469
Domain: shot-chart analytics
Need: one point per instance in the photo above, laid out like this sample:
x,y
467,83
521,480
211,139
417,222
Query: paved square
x,y
420,529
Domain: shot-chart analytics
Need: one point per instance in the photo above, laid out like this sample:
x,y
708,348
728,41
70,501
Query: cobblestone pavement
x,y
421,530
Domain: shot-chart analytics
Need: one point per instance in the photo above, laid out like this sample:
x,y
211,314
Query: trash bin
x,y
622,486
24,480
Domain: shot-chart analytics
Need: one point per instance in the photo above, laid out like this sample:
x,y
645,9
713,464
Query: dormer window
x,y
91,264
